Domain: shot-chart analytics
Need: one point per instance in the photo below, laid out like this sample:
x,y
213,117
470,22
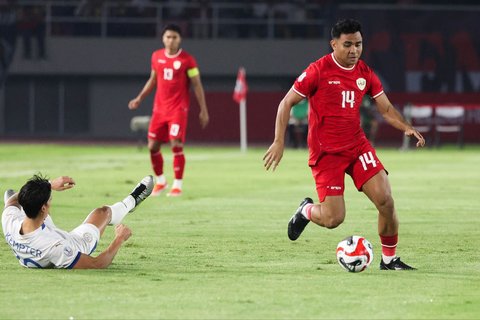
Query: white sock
x,y
177,184
387,259
120,209
161,179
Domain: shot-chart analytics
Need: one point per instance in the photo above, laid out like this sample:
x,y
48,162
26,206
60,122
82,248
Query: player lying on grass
x,y
36,241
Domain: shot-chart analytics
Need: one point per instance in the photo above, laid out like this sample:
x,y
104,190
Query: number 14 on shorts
x,y
367,159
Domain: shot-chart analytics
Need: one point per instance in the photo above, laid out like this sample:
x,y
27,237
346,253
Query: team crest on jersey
x,y
361,83
176,64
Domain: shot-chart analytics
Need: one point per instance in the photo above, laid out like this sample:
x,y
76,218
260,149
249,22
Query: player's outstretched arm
x,y
395,119
13,201
275,153
147,89
62,183
104,259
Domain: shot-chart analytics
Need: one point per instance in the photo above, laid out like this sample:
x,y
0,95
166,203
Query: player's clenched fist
x,y
134,104
123,232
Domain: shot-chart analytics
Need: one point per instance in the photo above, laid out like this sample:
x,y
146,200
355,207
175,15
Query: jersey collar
x,y
338,64
174,55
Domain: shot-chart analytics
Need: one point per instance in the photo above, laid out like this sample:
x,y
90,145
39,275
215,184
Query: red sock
x,y
178,162
157,162
389,245
308,211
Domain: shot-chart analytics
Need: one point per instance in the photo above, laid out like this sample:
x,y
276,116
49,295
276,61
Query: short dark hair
x,y
172,27
345,26
34,194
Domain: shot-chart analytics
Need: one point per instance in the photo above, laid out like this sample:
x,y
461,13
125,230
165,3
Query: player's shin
x,y
157,162
120,209
178,162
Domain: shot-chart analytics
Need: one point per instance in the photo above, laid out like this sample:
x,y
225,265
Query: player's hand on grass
x,y
273,155
134,104
204,118
414,132
62,183
123,232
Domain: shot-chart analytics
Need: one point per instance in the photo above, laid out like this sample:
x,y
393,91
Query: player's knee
x,y
385,202
176,143
333,222
333,219
105,212
153,148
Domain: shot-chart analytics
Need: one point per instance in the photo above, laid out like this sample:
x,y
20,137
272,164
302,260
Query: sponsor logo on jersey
x,y
334,187
176,64
161,61
333,82
361,83
302,76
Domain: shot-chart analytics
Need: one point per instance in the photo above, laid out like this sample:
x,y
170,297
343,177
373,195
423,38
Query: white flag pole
x,y
243,125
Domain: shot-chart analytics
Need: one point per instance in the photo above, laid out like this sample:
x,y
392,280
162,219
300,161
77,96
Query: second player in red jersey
x,y
334,86
173,82
173,70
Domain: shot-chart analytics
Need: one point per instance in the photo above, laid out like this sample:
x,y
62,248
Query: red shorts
x,y
360,162
164,130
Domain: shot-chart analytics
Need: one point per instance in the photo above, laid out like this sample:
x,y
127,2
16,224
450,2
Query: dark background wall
x,y
426,54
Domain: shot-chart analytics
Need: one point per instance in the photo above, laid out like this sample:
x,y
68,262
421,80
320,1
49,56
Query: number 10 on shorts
x,y
366,159
174,129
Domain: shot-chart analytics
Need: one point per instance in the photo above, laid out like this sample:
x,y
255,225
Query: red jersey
x,y
335,94
173,82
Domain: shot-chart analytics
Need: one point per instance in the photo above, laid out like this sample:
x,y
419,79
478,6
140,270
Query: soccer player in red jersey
x,y
173,69
335,85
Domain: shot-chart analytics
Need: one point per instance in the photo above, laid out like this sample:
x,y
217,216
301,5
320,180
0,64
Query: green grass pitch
x,y
221,250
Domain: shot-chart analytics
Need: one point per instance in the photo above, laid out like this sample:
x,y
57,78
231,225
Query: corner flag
x,y
241,88
240,97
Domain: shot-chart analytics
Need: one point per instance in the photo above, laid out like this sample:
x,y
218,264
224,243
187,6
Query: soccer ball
x,y
354,253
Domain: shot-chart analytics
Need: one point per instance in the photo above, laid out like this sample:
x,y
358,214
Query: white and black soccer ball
x,y
354,253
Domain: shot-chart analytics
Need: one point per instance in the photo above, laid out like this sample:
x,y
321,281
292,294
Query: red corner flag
x,y
241,88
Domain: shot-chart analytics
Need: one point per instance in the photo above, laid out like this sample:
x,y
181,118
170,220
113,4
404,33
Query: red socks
x,y
157,162
178,162
389,245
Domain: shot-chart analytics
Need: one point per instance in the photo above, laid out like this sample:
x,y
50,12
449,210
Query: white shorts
x,y
85,238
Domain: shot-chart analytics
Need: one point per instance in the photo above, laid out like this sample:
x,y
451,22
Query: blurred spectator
x,y
298,125
368,120
31,25
89,8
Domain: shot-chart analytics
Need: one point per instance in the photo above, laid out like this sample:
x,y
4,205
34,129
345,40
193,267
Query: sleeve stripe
x,y
94,247
75,261
193,72
298,92
378,94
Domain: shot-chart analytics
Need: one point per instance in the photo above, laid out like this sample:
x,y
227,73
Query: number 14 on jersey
x,y
348,97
